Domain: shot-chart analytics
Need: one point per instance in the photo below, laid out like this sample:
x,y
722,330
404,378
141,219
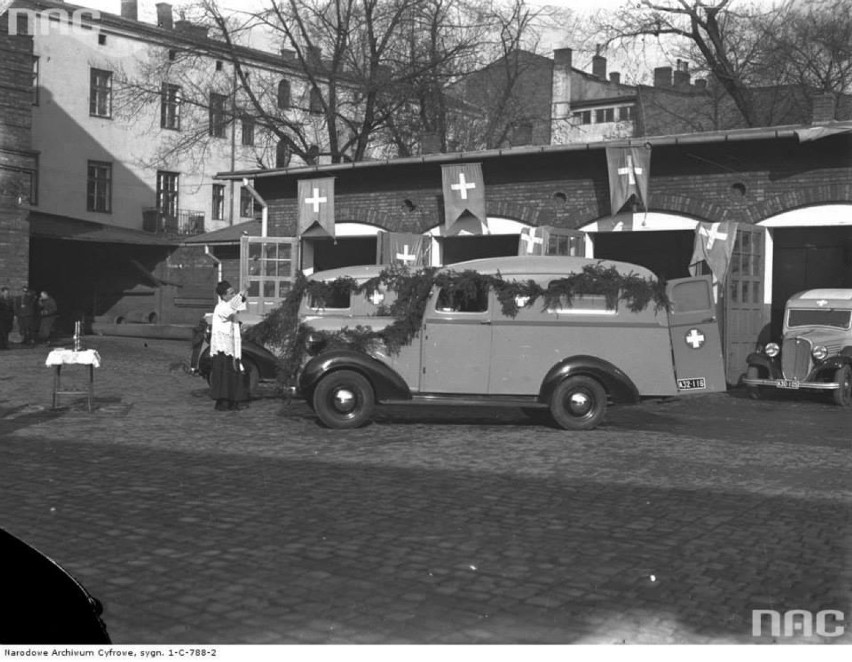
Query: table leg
x,y
56,384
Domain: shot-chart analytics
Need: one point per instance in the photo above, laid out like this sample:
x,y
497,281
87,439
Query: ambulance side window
x,y
335,299
691,296
457,301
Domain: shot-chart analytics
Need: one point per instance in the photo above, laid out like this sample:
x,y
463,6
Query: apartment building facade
x,y
130,122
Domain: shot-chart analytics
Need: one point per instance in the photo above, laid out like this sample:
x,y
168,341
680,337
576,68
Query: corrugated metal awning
x,y
52,226
228,235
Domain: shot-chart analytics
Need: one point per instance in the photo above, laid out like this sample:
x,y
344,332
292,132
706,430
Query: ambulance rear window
x,y
691,296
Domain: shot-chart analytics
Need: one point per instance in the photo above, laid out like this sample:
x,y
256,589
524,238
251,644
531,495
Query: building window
x,y
247,130
603,115
316,102
170,107
30,187
217,115
218,65
99,187
100,93
246,203
167,192
218,202
35,79
583,117
282,154
102,39
283,94
625,114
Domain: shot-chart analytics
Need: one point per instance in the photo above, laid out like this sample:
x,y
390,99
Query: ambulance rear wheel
x,y
578,403
344,399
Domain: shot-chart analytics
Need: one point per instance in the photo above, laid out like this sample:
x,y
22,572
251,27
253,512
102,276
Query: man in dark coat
x,y
7,316
25,311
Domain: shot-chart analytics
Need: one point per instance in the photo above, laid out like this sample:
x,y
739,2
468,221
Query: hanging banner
x,y
464,195
533,241
405,248
714,244
316,206
629,171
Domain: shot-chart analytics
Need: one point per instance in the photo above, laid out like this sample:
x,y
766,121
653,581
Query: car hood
x,y
818,335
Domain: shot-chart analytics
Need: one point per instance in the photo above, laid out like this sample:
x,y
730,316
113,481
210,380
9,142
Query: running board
x,y
469,401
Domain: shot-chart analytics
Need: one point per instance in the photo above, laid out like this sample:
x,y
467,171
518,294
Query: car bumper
x,y
792,384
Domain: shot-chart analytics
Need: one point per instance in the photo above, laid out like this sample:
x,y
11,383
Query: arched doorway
x,y
353,243
660,242
500,238
808,247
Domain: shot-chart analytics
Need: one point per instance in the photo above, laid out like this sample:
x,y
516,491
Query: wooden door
x,y
745,313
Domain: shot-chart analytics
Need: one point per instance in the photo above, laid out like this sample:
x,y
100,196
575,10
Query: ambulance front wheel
x,y
578,403
344,399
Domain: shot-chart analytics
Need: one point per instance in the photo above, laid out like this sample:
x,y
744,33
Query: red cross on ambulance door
x,y
696,344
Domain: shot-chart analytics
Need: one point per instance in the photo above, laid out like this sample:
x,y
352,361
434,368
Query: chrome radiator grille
x,y
796,358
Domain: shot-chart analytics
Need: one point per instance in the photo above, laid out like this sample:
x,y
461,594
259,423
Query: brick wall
x,y
743,181
15,129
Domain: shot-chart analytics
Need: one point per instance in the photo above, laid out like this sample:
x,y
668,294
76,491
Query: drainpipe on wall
x,y
216,260
264,208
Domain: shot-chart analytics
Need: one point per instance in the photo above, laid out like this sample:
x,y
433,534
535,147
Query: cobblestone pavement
x,y
669,524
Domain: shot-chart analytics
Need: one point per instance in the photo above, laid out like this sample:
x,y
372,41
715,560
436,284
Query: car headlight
x,y
819,352
772,349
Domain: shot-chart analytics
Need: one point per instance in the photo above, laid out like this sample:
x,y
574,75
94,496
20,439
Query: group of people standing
x,y
35,313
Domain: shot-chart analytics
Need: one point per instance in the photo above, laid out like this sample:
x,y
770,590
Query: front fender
x,y
386,382
618,385
770,365
265,360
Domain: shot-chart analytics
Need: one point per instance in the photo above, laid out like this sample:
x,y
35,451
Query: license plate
x,y
694,384
788,383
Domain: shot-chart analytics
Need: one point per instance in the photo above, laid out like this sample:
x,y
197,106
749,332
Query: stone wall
x,y
15,155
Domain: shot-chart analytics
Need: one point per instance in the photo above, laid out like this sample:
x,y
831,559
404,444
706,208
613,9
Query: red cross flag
x,y
533,241
629,171
316,206
403,248
714,244
464,195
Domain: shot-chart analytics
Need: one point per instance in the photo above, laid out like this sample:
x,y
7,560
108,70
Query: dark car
x,y
41,603
259,363
815,350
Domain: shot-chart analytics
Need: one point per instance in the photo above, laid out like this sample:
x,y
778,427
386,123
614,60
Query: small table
x,y
60,357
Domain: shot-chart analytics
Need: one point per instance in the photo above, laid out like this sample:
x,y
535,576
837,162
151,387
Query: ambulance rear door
x,y
696,341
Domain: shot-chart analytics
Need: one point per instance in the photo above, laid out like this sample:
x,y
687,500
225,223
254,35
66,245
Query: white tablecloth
x,y
69,356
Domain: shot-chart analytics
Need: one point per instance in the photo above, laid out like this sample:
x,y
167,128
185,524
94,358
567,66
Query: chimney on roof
x,y
288,54
314,56
663,77
562,57
164,16
700,84
681,75
599,64
560,83
615,77
823,108
130,9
